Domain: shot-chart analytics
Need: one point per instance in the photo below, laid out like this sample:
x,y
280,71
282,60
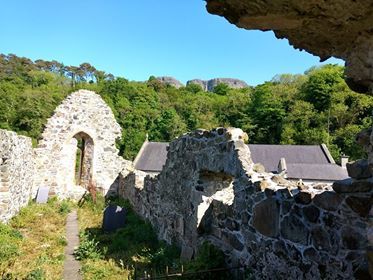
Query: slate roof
x,y
269,155
151,157
308,162
310,171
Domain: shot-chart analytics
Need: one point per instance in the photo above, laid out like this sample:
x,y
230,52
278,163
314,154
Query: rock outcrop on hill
x,y
339,28
209,85
170,81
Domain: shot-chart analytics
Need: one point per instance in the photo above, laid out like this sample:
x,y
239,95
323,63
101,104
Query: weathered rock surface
x,y
339,28
16,173
359,169
266,217
352,185
170,81
209,85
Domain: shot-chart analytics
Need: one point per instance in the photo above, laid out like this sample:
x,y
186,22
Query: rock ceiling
x,y
339,28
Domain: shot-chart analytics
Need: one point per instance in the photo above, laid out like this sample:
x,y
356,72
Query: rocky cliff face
x,y
339,28
209,85
170,81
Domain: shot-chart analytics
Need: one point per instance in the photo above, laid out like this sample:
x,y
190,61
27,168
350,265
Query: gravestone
x,y
42,196
114,218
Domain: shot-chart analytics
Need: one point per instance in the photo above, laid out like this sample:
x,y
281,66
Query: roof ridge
x,y
326,152
139,154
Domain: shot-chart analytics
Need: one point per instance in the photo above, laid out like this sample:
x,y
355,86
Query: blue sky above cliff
x,y
139,38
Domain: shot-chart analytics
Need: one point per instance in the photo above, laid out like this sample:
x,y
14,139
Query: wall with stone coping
x,y
82,112
209,189
16,173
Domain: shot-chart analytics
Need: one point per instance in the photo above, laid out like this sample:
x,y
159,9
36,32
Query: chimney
x,y
281,168
344,160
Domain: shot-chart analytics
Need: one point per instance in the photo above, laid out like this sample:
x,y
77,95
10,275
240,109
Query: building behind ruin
x,y
309,163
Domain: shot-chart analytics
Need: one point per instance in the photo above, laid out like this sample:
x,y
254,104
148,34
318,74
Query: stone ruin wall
x,y
81,113
209,189
52,164
16,173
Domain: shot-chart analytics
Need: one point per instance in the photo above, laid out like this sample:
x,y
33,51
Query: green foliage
x,y
88,248
268,114
40,253
221,89
65,207
321,84
37,274
9,242
193,88
134,245
208,258
313,108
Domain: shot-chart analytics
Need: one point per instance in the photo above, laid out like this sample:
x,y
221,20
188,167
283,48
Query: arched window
x,y
84,159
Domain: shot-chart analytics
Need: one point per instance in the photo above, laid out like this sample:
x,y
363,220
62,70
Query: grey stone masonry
x,y
82,115
209,189
16,173
83,121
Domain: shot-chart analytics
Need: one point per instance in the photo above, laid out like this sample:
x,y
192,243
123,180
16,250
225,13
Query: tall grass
x,y
32,243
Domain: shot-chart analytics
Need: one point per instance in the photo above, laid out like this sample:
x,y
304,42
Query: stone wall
x,y
16,173
81,113
210,189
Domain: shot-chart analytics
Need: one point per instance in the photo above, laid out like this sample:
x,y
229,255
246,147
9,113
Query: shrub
x,y
64,208
88,249
37,274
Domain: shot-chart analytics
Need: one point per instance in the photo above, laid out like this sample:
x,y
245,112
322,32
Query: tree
x,y
193,88
321,84
167,126
221,89
267,114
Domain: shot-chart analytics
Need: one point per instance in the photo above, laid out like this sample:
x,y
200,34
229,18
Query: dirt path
x,y
71,269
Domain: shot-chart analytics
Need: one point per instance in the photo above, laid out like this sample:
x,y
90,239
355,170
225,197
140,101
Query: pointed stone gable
x,y
83,115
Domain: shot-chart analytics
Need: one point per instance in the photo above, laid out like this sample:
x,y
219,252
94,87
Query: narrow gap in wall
x,y
79,161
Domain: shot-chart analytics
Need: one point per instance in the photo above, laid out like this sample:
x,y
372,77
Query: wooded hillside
x,y
317,107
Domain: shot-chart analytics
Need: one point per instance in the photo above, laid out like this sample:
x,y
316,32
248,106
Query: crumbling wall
x,y
16,173
81,113
209,189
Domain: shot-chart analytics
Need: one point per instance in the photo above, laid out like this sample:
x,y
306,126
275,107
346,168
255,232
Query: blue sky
x,y
139,38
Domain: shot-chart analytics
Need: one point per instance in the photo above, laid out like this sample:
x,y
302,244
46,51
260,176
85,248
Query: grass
x,y
113,255
32,243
